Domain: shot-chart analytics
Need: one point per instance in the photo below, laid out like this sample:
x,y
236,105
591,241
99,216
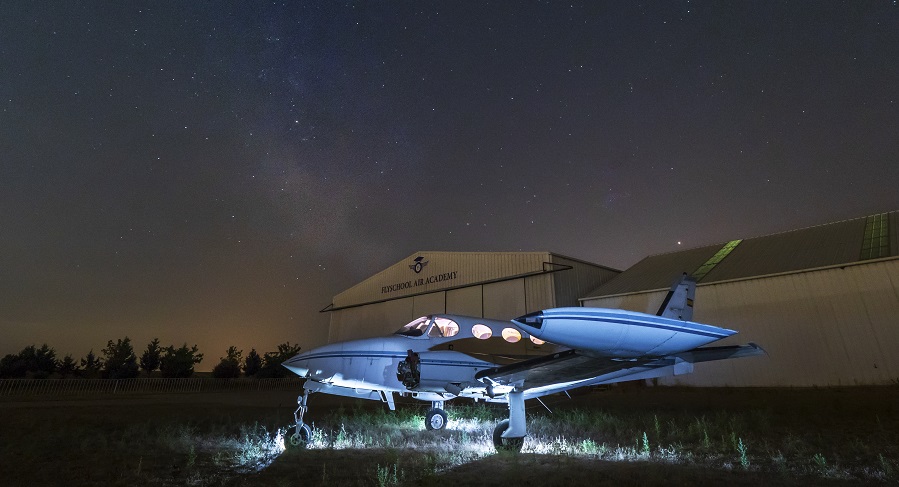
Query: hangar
x,y
498,285
823,301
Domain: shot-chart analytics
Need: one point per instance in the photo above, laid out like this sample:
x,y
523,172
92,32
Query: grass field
x,y
630,436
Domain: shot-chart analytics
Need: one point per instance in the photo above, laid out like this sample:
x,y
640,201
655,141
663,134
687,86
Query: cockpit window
x,y
416,328
444,327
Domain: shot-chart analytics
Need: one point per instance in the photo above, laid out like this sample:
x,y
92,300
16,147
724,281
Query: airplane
x,y
440,357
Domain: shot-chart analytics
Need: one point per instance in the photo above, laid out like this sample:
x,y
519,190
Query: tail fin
x,y
678,304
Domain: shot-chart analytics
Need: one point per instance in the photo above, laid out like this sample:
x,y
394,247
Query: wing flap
x,y
563,367
706,354
571,368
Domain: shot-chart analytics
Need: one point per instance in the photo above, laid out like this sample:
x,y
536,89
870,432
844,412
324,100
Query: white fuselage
x,y
450,350
372,363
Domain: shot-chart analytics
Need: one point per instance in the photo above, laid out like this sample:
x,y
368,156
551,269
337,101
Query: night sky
x,y
213,173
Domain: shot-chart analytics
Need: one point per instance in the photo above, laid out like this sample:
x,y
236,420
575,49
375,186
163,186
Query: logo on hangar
x,y
419,264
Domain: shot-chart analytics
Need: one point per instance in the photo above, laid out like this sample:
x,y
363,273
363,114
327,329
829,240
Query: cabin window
x,y
511,335
444,327
537,341
482,332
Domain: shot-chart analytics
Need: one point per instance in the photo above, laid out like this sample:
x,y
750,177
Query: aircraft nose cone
x,y
531,323
301,363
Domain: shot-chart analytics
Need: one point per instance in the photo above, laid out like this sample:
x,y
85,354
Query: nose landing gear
x,y
299,434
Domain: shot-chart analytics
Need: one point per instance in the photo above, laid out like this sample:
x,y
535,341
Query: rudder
x,y
678,304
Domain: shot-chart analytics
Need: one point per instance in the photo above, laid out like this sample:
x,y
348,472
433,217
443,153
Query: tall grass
x,y
719,440
173,447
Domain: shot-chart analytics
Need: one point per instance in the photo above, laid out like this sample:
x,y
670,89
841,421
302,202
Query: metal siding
x,y
370,321
470,267
894,234
504,300
569,285
539,293
466,301
429,304
641,302
823,328
820,328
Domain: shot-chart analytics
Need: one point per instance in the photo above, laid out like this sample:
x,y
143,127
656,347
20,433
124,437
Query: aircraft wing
x,y
570,369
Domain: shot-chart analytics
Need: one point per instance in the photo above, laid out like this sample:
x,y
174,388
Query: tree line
x,y
119,361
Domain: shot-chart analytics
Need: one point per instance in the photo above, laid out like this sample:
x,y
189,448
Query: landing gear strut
x,y
509,434
299,433
436,417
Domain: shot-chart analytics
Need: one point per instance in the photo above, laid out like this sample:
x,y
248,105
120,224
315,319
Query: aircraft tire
x,y
435,419
513,445
297,436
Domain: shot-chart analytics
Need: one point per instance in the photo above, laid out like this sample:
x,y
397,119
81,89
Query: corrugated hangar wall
x,y
499,285
825,327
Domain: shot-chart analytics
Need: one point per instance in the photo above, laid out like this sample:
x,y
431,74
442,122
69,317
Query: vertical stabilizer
x,y
678,304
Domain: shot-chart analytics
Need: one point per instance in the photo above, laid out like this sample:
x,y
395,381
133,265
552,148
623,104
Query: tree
x,y
229,367
43,362
179,362
91,365
121,363
67,366
271,362
12,366
252,363
149,361
39,362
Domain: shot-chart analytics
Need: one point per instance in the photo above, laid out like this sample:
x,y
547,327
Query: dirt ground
x,y
158,439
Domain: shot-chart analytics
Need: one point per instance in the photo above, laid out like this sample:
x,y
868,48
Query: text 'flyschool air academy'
x,y
446,276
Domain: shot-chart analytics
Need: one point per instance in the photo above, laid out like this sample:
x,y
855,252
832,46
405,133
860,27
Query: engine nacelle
x,y
618,333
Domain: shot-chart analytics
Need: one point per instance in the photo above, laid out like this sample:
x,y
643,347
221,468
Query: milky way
x,y
214,173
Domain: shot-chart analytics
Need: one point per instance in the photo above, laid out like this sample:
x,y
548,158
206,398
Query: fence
x,y
74,387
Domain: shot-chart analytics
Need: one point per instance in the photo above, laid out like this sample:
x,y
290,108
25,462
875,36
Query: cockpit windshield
x,y
444,327
439,327
416,328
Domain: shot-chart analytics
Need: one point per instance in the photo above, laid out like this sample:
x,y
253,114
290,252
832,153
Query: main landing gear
x,y
436,417
299,433
509,434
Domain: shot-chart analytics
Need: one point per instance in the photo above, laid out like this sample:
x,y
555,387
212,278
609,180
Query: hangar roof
x,y
843,242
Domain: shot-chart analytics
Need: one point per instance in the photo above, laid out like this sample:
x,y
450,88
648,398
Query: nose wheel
x,y
298,436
